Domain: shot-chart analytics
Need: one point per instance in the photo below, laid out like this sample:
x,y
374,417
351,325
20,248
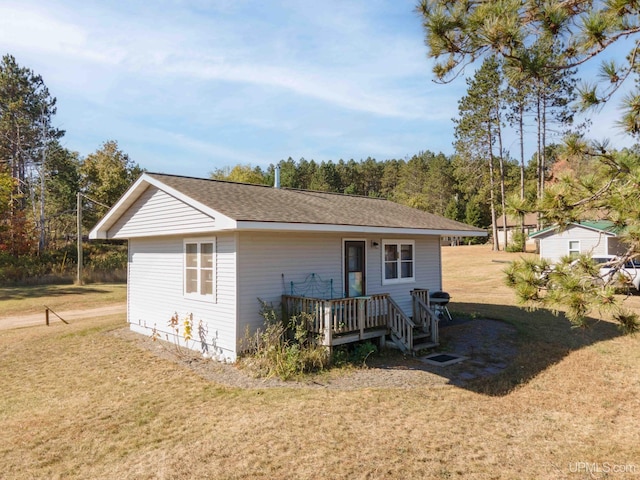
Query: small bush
x,y
283,350
517,242
361,352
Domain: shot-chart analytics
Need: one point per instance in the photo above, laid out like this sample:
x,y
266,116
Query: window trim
x,y
199,269
398,243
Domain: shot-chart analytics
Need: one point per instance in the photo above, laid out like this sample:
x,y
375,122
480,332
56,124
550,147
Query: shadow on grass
x,y
539,339
504,346
21,293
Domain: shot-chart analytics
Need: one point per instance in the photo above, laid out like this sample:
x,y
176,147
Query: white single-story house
x,y
597,238
513,225
209,249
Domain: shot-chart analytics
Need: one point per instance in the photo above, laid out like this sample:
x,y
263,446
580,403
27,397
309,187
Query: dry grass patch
x,y
80,402
31,299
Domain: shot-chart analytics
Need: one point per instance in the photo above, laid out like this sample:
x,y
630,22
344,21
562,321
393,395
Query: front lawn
x,y
80,402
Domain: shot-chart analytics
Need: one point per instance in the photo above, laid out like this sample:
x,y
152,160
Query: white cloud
x,y
352,75
38,30
238,81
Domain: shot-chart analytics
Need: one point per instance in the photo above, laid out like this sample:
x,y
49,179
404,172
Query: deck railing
x,y
350,319
422,294
333,318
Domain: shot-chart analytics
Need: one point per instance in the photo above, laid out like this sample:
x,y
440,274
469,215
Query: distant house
x,y
598,237
211,248
513,225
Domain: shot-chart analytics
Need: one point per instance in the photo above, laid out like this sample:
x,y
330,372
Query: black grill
x,y
441,298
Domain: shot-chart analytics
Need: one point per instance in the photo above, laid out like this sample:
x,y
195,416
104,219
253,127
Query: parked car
x,y
623,275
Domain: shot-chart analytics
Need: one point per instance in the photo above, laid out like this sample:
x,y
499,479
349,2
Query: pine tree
x,y
539,40
26,132
478,130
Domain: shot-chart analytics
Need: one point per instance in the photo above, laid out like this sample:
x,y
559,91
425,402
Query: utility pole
x,y
79,217
79,196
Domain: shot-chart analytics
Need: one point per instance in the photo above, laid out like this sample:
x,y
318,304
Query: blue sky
x,y
190,86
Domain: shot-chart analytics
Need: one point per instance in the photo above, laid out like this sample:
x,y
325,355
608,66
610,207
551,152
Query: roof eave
x,y
555,229
333,228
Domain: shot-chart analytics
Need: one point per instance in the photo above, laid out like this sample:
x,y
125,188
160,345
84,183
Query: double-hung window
x,y
200,269
574,248
398,258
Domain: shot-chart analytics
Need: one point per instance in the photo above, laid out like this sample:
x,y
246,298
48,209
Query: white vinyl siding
x,y
158,213
268,262
155,287
554,246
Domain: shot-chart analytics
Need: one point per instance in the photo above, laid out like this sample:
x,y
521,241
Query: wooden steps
x,y
422,340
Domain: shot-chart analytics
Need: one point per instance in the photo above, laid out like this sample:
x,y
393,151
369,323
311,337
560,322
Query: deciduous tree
x,y
242,174
104,176
62,185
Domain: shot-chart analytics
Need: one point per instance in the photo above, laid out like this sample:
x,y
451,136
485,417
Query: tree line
x,y
446,185
40,178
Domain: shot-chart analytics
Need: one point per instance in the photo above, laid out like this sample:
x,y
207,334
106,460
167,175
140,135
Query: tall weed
x,y
283,349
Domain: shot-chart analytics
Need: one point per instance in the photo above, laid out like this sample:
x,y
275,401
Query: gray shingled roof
x,y
259,203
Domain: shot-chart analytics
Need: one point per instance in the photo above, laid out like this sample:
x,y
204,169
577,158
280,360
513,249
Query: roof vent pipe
x,y
276,183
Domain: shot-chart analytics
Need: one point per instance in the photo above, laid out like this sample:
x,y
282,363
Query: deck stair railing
x,y
402,327
425,318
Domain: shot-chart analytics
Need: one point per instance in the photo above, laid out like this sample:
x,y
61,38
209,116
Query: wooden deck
x,y
347,320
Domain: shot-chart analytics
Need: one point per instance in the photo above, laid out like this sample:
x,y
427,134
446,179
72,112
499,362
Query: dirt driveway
x,y
32,319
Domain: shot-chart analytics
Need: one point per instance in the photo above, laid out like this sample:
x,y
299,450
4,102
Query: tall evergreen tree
x,y
458,33
478,127
26,131
26,109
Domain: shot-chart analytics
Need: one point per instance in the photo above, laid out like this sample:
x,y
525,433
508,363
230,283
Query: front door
x,y
354,263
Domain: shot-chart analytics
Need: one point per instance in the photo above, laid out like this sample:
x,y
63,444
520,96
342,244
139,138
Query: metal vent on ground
x,y
442,359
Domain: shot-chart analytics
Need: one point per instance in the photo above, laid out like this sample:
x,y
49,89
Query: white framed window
x,y
200,269
574,248
398,261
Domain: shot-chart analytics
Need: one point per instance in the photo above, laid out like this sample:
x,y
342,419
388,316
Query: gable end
x,y
156,212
